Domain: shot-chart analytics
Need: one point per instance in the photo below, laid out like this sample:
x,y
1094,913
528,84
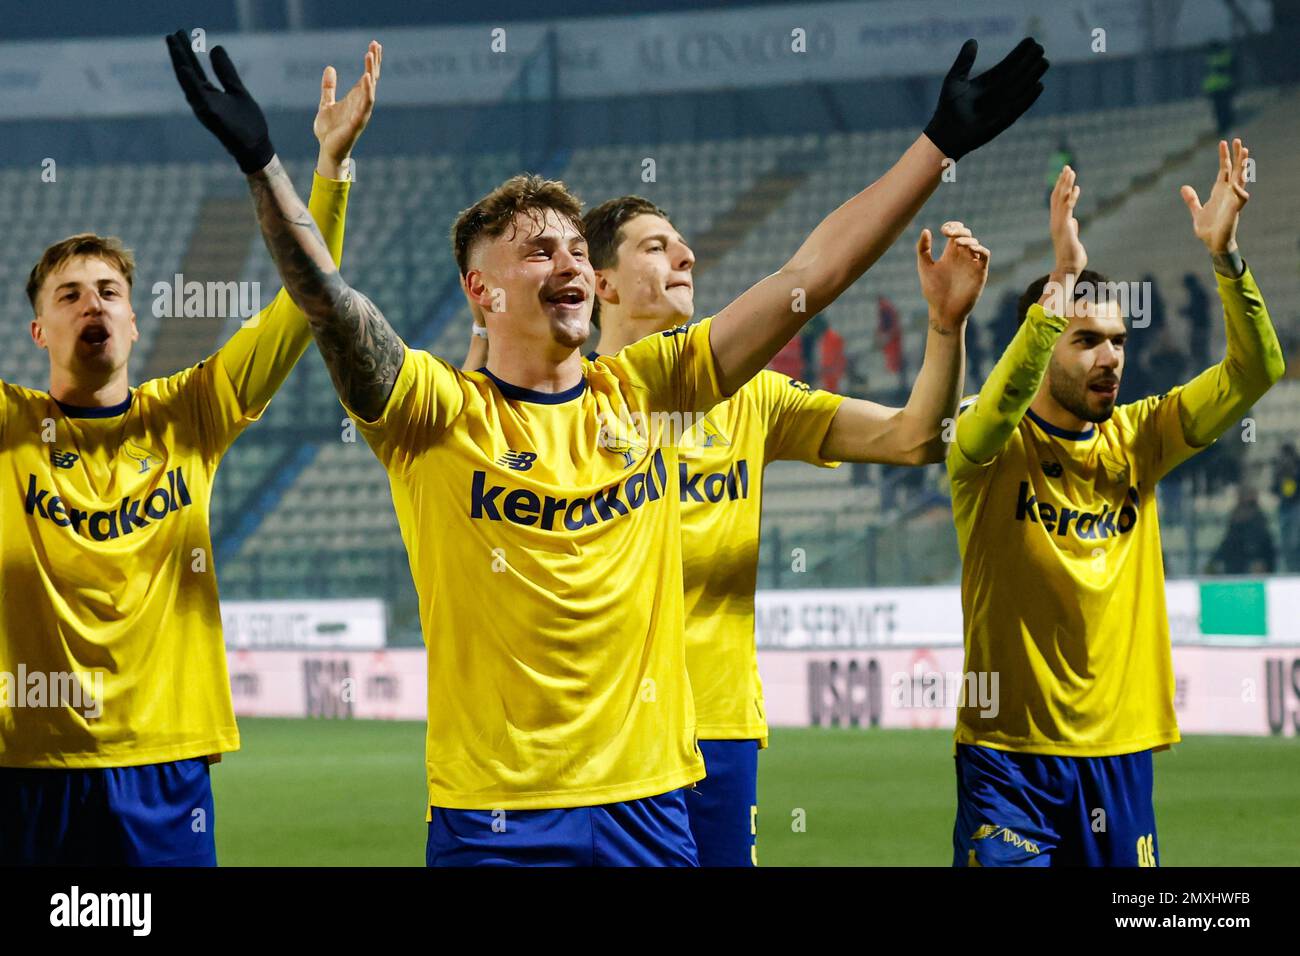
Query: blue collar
x,y
593,355
1060,432
516,393
100,411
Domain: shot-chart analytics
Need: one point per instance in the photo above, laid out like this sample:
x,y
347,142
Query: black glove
x,y
972,112
232,115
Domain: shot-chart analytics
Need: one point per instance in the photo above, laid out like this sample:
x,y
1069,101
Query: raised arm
x,y
913,435
1215,399
983,431
360,348
748,333
259,357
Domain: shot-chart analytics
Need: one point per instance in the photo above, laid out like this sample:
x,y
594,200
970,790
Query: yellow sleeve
x,y
259,357
428,394
1158,431
983,430
799,416
1216,398
675,368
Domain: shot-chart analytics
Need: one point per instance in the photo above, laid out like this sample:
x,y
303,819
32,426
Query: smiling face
x,y
534,280
84,319
651,276
1088,362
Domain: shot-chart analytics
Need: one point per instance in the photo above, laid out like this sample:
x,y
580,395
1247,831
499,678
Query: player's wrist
x,y
1228,262
946,321
339,168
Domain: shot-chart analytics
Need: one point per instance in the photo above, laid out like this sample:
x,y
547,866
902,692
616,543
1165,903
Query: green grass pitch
x,y
327,793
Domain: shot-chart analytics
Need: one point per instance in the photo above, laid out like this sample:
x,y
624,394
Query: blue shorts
x,y
724,805
154,815
1017,809
652,831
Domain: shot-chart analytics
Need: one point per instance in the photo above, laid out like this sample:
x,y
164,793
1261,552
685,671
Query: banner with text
x,y
610,56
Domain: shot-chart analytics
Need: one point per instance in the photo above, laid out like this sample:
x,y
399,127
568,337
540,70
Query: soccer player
x,y
114,696
644,286
1063,590
541,513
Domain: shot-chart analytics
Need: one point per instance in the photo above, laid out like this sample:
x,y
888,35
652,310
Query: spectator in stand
x,y
1220,85
1166,366
1247,546
974,352
832,360
1197,313
789,361
889,337
1061,157
1007,322
809,337
1286,485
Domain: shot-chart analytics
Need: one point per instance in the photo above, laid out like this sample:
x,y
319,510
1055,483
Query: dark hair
x,y
107,248
603,227
1035,291
494,213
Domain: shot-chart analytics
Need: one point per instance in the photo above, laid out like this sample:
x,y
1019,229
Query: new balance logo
x,y
802,386
1053,469
1088,525
518,460
62,459
524,507
134,513
731,484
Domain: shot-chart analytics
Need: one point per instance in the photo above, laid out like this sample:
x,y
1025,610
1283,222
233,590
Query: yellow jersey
x,y
111,650
772,417
1063,588
544,538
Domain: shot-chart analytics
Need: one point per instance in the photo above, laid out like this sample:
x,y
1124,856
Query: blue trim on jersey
x,y
652,831
517,393
723,805
1059,432
105,411
153,815
593,355
1017,809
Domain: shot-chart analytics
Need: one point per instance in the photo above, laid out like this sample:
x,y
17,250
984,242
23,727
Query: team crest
x,y
1116,470
145,458
714,436
622,438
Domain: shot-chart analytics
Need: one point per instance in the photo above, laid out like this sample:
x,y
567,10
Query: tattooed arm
x,y
361,350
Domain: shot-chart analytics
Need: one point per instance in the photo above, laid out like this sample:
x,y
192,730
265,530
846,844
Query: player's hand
x,y
1071,257
339,123
952,285
231,114
973,111
1215,223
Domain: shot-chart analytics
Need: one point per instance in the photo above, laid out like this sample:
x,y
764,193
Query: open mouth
x,y
568,296
94,335
1109,389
